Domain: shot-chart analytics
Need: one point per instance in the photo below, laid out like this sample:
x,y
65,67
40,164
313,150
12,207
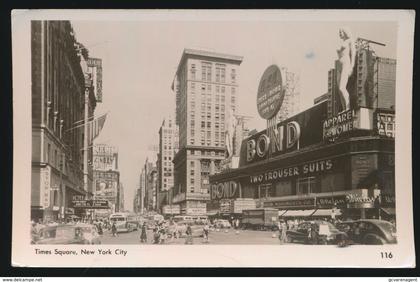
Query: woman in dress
x,y
346,55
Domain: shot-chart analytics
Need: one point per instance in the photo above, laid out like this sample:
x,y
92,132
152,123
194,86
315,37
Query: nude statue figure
x,y
346,55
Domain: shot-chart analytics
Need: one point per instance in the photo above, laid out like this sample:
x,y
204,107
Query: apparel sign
x,y
270,92
282,173
335,126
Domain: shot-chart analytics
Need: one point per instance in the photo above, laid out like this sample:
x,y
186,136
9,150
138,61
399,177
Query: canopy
x,y
325,212
281,212
298,213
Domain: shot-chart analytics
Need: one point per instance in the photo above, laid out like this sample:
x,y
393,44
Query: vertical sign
x,y
96,64
45,186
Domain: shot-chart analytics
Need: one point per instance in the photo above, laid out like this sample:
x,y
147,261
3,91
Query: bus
x,y
125,222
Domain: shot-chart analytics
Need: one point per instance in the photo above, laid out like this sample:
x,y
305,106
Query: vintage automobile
x,y
69,234
222,223
371,231
327,233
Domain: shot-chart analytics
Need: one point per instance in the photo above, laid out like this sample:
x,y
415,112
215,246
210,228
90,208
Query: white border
x,y
213,255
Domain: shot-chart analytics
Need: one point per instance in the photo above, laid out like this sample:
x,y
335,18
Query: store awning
x,y
298,213
325,212
389,211
281,212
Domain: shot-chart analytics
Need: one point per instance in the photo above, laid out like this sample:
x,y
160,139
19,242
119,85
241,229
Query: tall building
x,y
149,185
107,175
121,197
290,105
168,145
206,88
59,87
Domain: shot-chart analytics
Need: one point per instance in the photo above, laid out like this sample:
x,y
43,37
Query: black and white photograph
x,y
170,132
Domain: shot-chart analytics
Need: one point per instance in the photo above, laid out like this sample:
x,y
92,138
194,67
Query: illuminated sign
x,y
270,92
96,64
90,204
295,133
224,190
335,126
289,135
385,124
282,173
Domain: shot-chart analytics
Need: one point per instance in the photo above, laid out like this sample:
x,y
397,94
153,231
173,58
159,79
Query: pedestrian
x,y
314,234
282,232
114,229
100,230
206,233
143,234
189,239
156,237
34,233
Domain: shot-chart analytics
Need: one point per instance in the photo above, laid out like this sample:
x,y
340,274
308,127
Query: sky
x,y
140,59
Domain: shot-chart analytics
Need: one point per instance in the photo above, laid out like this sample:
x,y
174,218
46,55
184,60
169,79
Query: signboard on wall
x,y
385,123
105,157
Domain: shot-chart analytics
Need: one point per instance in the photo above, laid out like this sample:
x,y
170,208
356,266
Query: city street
x,y
229,238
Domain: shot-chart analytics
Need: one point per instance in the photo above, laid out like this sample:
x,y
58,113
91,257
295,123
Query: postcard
x,y
203,138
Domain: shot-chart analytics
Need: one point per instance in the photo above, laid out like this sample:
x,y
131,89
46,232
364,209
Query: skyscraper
x,y
168,145
206,88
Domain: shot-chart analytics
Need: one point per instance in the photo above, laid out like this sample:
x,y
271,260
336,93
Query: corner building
x,y
206,88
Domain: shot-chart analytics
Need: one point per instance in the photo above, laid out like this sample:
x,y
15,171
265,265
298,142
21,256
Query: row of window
x,y
206,72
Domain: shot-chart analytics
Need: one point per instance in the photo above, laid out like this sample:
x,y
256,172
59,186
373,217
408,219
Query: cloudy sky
x,y
140,59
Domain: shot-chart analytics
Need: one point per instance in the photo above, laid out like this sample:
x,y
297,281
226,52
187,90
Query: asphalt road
x,y
230,237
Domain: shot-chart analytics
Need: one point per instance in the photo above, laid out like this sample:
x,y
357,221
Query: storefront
x,y
339,166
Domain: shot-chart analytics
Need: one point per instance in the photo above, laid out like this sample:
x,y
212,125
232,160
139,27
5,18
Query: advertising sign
x,y
297,132
385,124
270,92
284,204
329,202
224,190
90,204
337,125
45,186
96,65
171,209
105,157
279,174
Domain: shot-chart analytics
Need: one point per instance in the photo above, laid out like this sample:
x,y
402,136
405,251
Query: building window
x,y
193,71
233,76
223,76
305,185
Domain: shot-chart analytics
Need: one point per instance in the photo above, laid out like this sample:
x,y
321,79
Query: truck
x,y
260,219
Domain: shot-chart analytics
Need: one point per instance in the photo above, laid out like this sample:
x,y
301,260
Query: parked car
x,y
222,223
370,231
69,234
326,232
